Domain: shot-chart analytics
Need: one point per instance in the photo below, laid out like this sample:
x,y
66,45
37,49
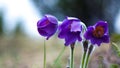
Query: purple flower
x,y
98,33
47,26
70,30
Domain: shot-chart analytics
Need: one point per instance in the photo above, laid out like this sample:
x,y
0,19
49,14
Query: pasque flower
x,y
98,33
70,30
47,26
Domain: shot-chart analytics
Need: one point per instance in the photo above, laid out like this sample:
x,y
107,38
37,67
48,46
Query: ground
x,y
24,52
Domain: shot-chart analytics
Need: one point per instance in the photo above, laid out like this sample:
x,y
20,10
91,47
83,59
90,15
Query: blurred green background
x,y
22,47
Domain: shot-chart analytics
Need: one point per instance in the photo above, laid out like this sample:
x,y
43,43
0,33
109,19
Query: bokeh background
x,y
22,47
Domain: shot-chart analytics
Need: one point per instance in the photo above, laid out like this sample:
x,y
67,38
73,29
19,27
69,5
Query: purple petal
x,y
42,32
104,24
70,38
65,24
88,33
76,26
51,28
96,41
42,22
106,39
68,21
63,33
51,18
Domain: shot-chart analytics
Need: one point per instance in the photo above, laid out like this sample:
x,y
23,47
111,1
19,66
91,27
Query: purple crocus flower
x,y
98,33
47,26
70,30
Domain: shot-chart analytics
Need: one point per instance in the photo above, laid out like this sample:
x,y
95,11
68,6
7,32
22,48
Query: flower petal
x,y
76,26
42,22
104,24
63,33
51,18
106,39
70,38
88,33
42,32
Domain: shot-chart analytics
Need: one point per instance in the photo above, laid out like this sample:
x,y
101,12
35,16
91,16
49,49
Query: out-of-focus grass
x,y
24,52
18,52
115,38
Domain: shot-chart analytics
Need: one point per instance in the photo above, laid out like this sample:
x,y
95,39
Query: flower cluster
x,y
71,29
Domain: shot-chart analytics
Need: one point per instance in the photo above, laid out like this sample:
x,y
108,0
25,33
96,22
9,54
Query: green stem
x,y
88,56
85,46
44,55
71,62
87,60
83,59
72,56
59,56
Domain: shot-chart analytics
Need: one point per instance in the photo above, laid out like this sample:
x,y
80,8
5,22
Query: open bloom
x,y
47,26
70,30
98,33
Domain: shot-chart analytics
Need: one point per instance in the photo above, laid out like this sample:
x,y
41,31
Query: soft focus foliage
x,y
1,22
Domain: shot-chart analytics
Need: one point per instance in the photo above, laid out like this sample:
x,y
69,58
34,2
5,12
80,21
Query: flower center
x,y
98,32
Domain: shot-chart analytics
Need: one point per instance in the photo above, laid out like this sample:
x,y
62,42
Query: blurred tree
x,y
1,22
18,29
88,11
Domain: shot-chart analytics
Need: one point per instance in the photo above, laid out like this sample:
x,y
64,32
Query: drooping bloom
x,y
98,33
70,30
47,26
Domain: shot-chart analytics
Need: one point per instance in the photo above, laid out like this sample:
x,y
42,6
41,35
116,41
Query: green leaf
x,y
116,49
59,56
